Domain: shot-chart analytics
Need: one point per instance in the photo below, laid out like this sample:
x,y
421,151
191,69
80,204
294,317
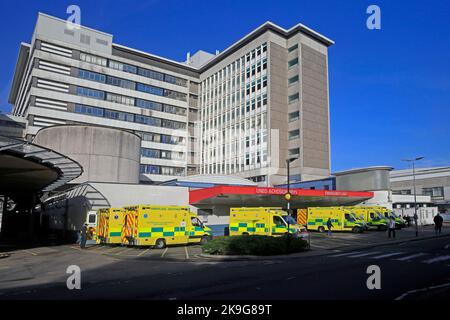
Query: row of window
x,y
125,116
116,65
161,154
161,170
160,138
141,103
128,84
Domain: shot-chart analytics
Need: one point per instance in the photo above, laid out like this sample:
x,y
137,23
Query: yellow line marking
x,y
143,252
187,254
30,252
165,250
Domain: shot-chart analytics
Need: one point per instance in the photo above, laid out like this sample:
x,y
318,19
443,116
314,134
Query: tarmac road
x,y
178,274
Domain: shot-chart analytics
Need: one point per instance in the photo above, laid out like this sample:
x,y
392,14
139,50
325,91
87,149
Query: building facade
x,y
433,182
241,112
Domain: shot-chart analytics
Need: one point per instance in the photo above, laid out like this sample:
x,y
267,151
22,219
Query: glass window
x,y
98,112
293,62
294,47
116,115
93,59
294,134
151,74
294,97
126,84
122,66
293,80
150,89
293,116
151,105
91,93
93,76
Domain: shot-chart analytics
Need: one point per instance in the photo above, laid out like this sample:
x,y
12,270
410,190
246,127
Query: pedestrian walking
x,y
329,226
391,227
438,221
83,239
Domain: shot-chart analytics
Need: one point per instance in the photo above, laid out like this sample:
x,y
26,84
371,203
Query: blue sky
x,y
389,88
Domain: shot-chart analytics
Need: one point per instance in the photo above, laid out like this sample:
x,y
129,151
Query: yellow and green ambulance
x,y
341,218
261,221
373,218
160,226
109,226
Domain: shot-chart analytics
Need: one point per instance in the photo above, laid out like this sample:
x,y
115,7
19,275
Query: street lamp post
x,y
413,161
287,196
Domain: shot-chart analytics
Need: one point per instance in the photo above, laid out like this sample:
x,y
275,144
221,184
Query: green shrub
x,y
254,245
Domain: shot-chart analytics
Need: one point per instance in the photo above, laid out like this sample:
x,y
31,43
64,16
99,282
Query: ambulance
x,y
109,226
399,221
160,226
341,218
373,218
262,221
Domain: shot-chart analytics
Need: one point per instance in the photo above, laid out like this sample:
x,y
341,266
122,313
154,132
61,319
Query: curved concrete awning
x,y
27,168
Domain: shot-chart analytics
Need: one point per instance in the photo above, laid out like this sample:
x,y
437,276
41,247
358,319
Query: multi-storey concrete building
x,y
243,111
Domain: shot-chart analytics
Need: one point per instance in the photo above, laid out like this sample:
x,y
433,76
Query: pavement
x,y
335,268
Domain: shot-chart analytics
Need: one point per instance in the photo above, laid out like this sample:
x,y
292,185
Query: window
x,y
148,120
151,74
150,153
293,80
119,99
91,93
294,152
294,134
293,116
150,169
127,84
122,67
117,115
294,97
175,95
98,112
293,62
93,59
93,76
149,105
434,192
149,89
294,47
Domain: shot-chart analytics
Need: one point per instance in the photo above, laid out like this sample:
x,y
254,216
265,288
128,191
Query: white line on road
x,y
422,290
443,258
120,252
363,254
143,252
187,254
411,256
30,252
345,254
164,253
387,255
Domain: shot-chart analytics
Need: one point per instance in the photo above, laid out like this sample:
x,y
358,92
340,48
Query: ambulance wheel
x,y
321,229
204,239
160,244
382,228
245,234
356,230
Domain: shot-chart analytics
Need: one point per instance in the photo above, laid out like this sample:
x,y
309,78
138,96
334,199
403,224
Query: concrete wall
x,y
363,180
106,154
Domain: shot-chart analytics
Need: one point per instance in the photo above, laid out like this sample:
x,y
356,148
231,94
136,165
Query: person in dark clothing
x,y
438,221
408,220
83,231
329,226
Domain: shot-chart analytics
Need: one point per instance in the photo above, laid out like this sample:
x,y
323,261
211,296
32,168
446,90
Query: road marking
x,y
163,254
290,278
363,254
30,252
443,258
120,252
345,254
411,256
187,254
422,290
143,252
387,255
